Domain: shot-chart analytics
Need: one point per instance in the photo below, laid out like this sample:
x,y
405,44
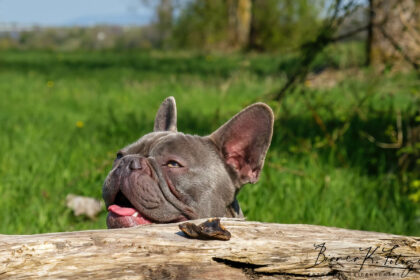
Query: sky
x,y
71,12
78,12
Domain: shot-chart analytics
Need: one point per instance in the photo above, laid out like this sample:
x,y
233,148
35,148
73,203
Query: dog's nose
x,y
135,164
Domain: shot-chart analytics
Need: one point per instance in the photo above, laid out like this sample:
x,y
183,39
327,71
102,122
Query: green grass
x,y
46,155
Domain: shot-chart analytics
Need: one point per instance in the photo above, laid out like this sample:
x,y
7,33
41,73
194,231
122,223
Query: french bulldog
x,y
167,176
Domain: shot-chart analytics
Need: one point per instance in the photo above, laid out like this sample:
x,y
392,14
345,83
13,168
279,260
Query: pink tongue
x,y
122,211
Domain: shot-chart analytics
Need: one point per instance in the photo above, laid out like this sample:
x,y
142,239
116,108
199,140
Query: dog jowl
x,y
168,176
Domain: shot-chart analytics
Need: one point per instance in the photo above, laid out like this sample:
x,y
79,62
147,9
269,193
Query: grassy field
x,y
64,116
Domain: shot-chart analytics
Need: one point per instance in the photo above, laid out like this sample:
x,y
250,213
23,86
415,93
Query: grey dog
x,y
167,176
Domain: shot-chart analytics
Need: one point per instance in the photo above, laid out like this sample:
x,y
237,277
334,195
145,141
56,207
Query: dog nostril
x,y
135,164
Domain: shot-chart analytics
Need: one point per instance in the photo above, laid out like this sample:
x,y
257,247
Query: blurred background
x,y
81,79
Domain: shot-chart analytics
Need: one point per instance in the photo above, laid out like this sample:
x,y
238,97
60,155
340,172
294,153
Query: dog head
x,y
167,176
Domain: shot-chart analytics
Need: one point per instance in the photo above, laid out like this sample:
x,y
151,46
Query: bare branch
x,y
350,33
398,48
310,50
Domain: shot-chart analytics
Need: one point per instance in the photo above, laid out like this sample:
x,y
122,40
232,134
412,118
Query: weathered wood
x,y
256,250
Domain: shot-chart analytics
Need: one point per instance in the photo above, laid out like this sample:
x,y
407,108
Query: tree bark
x,y
164,13
255,251
369,38
239,12
395,33
254,43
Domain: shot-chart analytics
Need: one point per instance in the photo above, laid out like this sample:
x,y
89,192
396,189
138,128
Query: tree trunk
x,y
369,33
164,15
253,40
239,22
255,251
395,34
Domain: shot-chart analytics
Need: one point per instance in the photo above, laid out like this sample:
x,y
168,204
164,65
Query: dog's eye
x,y
119,155
173,164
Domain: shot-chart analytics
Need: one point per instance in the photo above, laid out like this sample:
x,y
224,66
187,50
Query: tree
x,y
247,24
394,33
239,12
164,13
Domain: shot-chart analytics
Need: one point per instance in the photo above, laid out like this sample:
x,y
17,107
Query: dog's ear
x,y
244,141
166,116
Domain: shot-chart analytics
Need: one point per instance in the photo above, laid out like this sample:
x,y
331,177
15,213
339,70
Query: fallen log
x,y
255,251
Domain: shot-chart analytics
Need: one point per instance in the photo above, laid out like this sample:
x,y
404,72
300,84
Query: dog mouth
x,y
123,214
